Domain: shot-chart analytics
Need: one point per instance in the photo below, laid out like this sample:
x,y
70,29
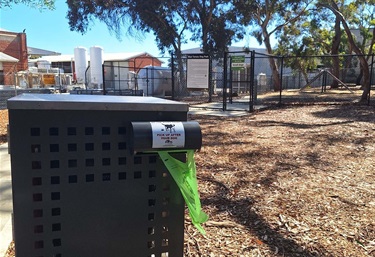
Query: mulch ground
x,y
296,181
290,181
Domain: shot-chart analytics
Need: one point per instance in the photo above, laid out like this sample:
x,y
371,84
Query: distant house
x,y
358,37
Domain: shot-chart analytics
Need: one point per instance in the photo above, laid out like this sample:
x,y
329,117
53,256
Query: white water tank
x,y
80,63
33,69
155,81
262,79
44,64
96,69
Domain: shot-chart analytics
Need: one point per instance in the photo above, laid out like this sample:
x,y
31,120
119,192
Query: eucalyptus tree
x,y
335,50
267,18
345,14
362,18
326,21
300,42
214,23
166,19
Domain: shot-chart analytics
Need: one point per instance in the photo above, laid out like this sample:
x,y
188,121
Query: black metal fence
x,y
149,76
316,79
253,79
246,79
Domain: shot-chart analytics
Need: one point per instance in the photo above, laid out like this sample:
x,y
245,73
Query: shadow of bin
x,y
78,188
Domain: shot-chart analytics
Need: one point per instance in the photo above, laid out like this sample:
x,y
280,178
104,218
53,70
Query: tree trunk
x,y
181,89
335,52
305,76
357,50
275,70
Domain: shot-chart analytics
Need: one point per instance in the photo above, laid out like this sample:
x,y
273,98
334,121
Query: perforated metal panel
x,y
78,190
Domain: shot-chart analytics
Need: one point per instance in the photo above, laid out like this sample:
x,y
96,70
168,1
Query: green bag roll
x,y
185,176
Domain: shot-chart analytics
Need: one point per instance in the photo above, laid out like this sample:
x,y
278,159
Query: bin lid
x,y
93,102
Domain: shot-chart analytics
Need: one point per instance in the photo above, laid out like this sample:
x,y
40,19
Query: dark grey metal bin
x,y
78,191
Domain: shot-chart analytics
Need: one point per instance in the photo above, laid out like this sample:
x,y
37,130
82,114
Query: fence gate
x,y
238,76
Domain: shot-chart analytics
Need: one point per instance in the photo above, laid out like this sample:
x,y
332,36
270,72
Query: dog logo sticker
x,y
168,134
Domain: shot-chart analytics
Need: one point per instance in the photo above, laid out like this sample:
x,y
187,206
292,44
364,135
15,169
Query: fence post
x,y
225,82
252,81
86,83
281,79
230,81
104,91
210,84
172,70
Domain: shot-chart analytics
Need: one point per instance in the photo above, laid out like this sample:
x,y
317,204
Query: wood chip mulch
x,y
3,125
291,181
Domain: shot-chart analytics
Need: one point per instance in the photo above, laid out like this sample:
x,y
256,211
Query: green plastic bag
x,y
185,176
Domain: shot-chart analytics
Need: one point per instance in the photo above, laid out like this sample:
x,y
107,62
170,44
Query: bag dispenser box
x,y
78,187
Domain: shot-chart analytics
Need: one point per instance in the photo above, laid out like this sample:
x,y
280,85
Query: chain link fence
x,y
257,79
262,79
148,76
316,79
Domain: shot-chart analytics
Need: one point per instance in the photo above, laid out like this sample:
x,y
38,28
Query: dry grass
x,y
295,181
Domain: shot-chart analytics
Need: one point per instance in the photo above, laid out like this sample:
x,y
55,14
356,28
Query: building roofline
x,y
122,56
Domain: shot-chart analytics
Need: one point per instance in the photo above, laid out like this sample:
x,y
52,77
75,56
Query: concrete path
x,y
236,109
6,206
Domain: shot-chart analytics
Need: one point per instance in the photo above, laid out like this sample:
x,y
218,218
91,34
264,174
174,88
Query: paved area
x,y
5,200
236,109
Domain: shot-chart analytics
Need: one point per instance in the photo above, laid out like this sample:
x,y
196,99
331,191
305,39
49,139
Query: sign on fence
x,y
198,70
238,62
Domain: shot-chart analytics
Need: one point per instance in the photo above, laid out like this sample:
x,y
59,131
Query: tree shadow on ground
x,y
244,215
299,125
351,112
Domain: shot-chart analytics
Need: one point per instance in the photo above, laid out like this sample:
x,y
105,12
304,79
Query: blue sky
x,y
49,30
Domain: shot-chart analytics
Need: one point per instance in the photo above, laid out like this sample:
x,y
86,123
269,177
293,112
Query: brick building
x,y
14,45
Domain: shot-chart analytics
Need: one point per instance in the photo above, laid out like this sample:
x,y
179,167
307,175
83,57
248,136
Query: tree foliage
x,y
209,22
38,4
214,24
